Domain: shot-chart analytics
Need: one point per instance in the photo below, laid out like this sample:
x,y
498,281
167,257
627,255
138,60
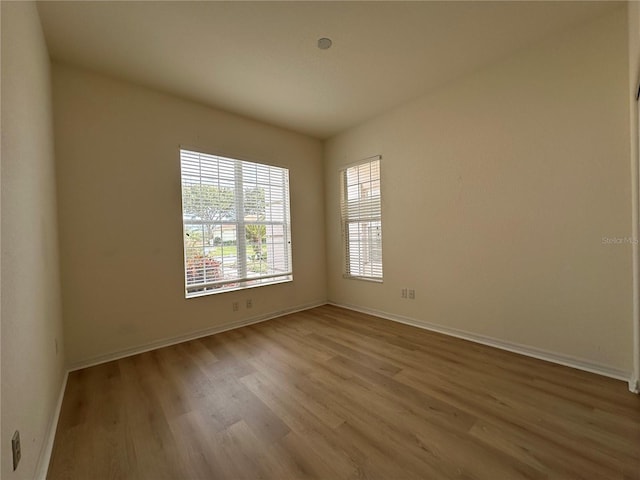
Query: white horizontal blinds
x,y
362,220
236,223
208,207
266,218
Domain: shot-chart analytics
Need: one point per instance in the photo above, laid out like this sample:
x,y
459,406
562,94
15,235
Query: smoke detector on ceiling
x,y
324,43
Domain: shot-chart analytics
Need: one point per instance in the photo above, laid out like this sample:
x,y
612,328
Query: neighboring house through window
x,y
362,220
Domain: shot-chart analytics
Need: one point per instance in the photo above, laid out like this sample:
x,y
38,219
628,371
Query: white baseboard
x,y
526,350
189,336
47,447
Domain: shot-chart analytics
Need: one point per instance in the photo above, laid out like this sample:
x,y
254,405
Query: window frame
x,y
345,221
239,222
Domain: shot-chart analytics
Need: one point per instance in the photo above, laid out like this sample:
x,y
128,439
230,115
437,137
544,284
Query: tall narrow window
x,y
362,220
236,225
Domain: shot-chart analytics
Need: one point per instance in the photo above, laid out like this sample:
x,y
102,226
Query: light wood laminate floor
x,y
333,394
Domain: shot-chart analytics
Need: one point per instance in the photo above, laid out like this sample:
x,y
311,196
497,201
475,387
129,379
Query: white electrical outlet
x,y
235,306
412,294
404,293
249,303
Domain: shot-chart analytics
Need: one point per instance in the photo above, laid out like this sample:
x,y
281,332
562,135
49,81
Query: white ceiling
x,y
260,59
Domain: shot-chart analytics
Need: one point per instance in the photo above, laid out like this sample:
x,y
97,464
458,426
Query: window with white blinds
x,y
236,224
362,220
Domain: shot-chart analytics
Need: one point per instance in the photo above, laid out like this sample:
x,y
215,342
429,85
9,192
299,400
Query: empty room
x,y
320,240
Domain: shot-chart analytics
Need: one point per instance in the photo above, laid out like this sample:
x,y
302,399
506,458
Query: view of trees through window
x,y
236,223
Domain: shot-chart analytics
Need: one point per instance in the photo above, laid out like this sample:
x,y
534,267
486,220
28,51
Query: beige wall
x,y
120,213
497,192
633,9
32,372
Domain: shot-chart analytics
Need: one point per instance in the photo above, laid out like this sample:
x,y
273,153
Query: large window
x,y
362,220
235,217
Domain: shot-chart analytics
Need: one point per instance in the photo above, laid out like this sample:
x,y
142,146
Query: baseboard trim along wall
x,y
47,448
634,385
189,336
528,351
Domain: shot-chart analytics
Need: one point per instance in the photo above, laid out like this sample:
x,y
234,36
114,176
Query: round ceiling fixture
x,y
324,43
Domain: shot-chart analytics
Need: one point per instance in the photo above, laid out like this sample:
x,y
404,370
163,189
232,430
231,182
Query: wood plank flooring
x,y
333,394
